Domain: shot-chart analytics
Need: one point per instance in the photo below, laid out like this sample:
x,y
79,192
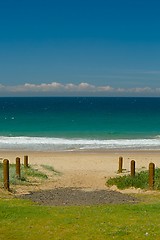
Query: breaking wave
x,y
63,144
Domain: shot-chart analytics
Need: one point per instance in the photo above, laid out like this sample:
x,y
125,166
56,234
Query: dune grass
x,y
26,174
20,219
139,181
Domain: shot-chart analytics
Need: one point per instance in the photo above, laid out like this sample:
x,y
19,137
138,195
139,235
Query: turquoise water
x,y
79,123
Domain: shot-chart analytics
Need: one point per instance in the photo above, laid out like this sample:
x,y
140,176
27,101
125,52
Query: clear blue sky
x,y
80,47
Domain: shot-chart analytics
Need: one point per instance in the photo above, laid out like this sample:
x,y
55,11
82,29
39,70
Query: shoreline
x,y
111,150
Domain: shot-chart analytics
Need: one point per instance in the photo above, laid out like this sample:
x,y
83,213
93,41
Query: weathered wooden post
x,y
18,170
132,168
26,161
120,165
6,173
151,175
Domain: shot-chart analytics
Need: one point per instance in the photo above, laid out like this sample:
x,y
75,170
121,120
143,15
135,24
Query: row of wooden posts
x,y
18,174
18,170
151,171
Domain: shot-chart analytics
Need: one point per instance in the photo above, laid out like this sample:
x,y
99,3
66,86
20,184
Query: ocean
x,y
79,123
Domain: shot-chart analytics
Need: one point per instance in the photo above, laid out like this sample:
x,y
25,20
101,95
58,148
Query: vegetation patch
x,y
26,174
21,219
140,180
31,172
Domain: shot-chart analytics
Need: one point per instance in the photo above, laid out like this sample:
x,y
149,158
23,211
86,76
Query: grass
x,y
139,181
20,219
31,172
26,174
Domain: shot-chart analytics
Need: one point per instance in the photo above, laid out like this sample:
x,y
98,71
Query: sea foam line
x,y
45,143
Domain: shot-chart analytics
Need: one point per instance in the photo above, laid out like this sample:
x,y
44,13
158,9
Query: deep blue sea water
x,y
71,123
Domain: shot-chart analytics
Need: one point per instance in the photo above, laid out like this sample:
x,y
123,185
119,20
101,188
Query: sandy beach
x,y
81,169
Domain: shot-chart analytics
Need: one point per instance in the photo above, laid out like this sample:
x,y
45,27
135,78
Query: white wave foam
x,y
44,143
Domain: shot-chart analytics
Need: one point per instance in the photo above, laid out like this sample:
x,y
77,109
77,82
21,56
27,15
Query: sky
x,y
79,48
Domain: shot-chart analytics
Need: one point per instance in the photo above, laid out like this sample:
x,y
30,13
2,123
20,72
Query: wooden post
x,y
26,161
132,168
18,171
6,173
151,175
120,165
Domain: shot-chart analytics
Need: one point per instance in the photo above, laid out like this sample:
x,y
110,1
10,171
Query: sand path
x,y
88,170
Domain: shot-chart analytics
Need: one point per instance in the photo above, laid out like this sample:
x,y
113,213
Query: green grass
x,y
26,174
139,181
31,172
21,219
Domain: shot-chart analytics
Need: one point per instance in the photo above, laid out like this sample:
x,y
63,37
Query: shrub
x,y
139,181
